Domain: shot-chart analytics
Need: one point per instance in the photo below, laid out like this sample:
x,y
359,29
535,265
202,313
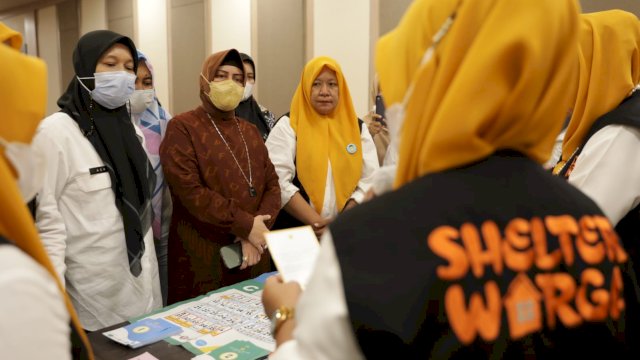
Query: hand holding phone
x,y
380,110
231,255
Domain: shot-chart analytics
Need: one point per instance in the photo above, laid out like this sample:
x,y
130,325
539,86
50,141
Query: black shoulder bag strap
x,y
627,113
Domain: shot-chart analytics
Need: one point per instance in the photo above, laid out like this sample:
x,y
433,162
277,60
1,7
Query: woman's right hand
x,y
320,225
375,127
250,254
256,236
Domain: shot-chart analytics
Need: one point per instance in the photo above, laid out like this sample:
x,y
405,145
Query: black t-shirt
x,y
498,259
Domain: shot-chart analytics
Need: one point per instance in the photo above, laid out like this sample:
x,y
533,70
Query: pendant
x,y
252,191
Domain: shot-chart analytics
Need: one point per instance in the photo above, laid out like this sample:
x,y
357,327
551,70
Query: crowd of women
x,y
460,246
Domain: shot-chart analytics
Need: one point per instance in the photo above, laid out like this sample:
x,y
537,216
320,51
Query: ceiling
x,y
15,7
11,4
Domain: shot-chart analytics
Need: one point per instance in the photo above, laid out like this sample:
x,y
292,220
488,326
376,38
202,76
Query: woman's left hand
x,y
250,255
277,293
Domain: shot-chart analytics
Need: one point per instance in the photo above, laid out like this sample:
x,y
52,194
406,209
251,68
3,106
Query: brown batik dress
x,y
212,204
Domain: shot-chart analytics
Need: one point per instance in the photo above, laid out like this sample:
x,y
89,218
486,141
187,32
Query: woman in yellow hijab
x,y
323,154
599,153
605,125
463,259
33,301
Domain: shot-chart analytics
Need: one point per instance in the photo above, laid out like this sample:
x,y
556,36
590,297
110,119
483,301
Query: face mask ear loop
x,y
82,84
208,83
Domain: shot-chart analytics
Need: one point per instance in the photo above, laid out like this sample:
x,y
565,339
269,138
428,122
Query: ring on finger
x,y
245,258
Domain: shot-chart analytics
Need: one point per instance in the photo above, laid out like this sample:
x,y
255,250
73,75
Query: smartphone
x,y
380,110
231,255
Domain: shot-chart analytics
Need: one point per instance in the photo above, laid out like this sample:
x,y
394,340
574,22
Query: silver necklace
x,y
252,190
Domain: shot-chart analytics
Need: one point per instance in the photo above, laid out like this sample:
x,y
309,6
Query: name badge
x,y
98,170
352,149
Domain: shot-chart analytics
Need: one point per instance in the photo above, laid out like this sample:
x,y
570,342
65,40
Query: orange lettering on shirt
x,y
442,242
589,247
595,307
558,290
518,254
615,252
478,318
522,303
477,256
544,260
492,239
617,296
565,228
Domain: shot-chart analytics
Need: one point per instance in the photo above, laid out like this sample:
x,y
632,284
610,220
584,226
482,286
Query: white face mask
x,y
112,88
29,163
248,91
140,100
395,114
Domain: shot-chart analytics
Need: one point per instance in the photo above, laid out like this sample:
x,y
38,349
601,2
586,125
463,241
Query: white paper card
x,y
294,252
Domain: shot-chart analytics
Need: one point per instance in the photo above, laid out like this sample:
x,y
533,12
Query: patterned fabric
x,y
268,116
153,123
211,201
256,114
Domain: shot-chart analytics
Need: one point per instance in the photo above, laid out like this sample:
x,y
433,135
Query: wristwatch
x,y
281,315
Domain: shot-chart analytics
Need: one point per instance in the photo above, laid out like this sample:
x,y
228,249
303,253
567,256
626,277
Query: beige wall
x,y
390,13
93,15
341,31
599,5
49,51
120,17
17,24
281,35
68,36
152,38
230,25
187,38
25,24
280,57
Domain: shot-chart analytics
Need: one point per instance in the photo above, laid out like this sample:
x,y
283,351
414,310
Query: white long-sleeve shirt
x,y
35,321
608,170
323,328
83,232
281,144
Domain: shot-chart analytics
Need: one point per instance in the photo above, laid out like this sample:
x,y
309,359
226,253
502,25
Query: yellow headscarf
x,y
11,36
23,92
319,138
609,54
497,80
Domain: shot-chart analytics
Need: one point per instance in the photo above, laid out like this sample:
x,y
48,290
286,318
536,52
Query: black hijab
x,y
249,109
112,135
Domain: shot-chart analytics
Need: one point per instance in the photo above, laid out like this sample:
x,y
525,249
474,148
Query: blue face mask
x,y
112,89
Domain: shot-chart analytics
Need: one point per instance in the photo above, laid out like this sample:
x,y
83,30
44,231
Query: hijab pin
x,y
352,148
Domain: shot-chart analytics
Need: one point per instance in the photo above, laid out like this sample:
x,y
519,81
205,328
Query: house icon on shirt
x,y
522,303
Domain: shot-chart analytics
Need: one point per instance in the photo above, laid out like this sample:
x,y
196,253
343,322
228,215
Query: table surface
x,y
107,349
